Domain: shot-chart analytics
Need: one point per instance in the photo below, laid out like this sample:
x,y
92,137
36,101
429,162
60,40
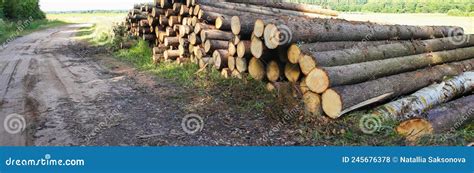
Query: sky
x,y
76,5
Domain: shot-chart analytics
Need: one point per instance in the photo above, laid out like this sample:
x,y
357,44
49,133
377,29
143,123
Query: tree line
x,y
396,6
20,9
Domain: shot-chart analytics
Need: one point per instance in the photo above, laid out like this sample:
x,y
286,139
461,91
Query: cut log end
x,y
256,47
312,102
317,80
256,69
232,49
307,64
273,71
332,103
219,22
414,128
241,64
292,72
294,53
235,25
259,28
271,36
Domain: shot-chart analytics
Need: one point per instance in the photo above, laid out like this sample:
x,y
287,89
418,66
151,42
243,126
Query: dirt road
x,y
55,91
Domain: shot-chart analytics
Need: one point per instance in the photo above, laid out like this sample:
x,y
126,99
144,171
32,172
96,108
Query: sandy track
x,y
72,94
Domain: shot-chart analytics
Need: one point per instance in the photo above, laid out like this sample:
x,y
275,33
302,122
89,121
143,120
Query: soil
x,y
72,94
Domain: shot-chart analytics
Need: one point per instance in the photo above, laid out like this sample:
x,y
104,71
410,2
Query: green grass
x,y
12,29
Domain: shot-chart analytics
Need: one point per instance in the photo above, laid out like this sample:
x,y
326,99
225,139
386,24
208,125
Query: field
x,y
414,19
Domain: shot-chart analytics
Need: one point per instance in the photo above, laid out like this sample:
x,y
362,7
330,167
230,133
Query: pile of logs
x,y
338,66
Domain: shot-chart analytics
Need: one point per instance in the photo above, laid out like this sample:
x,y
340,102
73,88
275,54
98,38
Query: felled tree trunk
x,y
317,30
372,53
290,6
446,117
342,99
417,103
319,79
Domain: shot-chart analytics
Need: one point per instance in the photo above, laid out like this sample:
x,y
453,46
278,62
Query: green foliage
x,y
397,6
24,9
138,55
2,15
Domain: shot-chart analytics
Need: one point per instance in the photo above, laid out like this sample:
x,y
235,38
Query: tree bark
x,y
290,6
260,9
285,32
216,35
292,72
413,105
256,69
212,45
172,41
220,58
171,54
342,99
446,117
319,79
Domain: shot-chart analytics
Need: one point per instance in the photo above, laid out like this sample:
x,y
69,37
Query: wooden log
x,y
342,99
307,64
171,54
184,10
292,72
177,6
231,62
212,45
220,58
173,20
223,23
205,61
194,39
156,12
170,12
257,47
232,49
149,37
163,20
237,74
274,70
319,79
166,4
285,32
371,53
413,105
260,9
290,6
243,48
446,117
216,35
303,87
312,104
241,64
226,73
184,30
256,69
159,50
202,26
172,41
170,32
245,24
